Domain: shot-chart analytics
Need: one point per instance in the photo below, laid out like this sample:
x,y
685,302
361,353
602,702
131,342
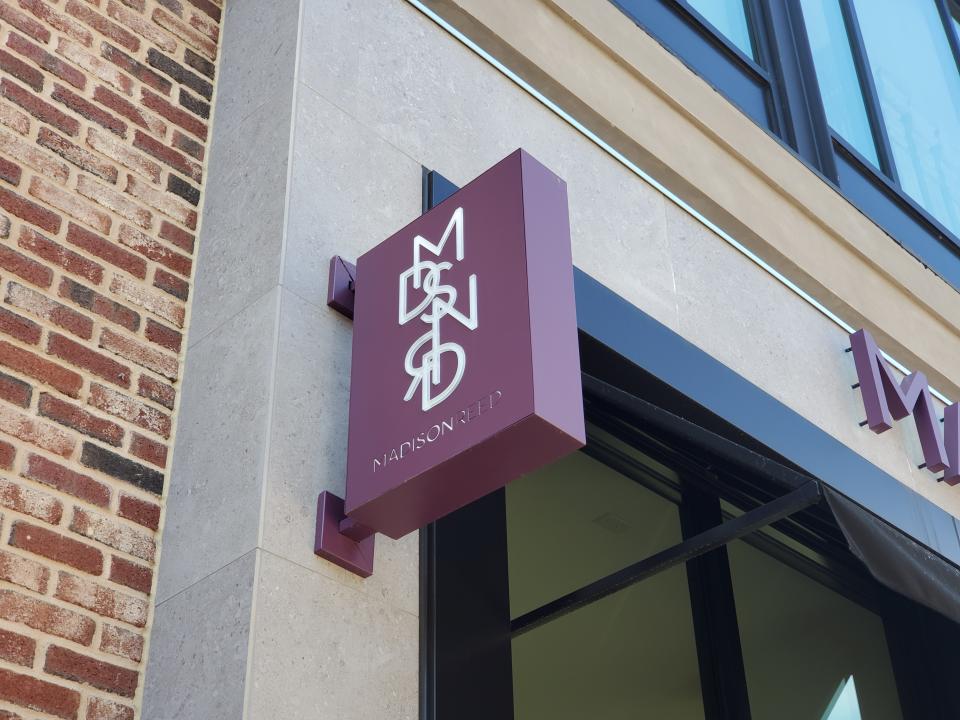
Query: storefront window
x,y
837,75
808,652
730,18
918,85
567,526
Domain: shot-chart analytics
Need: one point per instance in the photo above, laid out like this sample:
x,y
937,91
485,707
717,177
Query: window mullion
x,y
723,679
869,89
796,84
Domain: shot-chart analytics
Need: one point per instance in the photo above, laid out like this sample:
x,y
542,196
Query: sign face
x,y
466,369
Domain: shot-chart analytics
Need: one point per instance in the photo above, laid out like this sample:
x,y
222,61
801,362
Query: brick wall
x,y
104,111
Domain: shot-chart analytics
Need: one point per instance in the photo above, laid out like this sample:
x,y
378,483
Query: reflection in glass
x,y
919,88
844,705
801,640
730,18
837,75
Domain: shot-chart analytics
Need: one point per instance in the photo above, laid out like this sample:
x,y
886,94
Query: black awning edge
x,y
897,560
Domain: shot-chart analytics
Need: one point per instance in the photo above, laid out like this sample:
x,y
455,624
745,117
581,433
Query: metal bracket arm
x,y
341,540
341,286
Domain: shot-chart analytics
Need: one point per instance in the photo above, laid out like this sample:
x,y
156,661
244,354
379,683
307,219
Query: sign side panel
x,y
558,397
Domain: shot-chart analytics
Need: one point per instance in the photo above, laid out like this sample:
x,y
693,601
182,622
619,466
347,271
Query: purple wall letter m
x,y
886,400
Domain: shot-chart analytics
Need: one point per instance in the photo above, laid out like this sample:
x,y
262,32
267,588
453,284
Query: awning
x,y
893,558
896,560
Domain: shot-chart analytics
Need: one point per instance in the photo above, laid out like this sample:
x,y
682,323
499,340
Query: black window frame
x,y
795,115
465,621
466,624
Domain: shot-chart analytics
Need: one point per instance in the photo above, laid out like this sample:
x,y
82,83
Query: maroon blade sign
x,y
466,370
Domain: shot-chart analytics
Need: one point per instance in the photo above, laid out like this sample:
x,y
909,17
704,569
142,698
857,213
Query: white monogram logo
x,y
439,301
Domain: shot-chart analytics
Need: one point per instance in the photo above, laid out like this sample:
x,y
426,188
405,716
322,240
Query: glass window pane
x,y
802,642
630,655
730,18
837,75
577,521
919,88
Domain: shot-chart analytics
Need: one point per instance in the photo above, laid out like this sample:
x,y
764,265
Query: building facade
x,y
749,183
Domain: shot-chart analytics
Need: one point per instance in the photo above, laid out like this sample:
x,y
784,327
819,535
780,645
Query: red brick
x,y
43,111
178,236
126,408
170,283
13,118
100,709
62,23
140,511
118,535
37,432
83,357
141,26
122,153
24,572
208,7
130,111
156,251
135,4
65,480
48,62
39,695
46,617
157,304
15,391
162,335
106,250
188,145
49,544
83,669
80,420
159,392
102,600
64,380
149,450
29,154
31,212
175,115
69,202
99,23
16,648
20,70
199,63
132,350
10,171
134,576
135,68
95,65
29,501
200,41
173,6
167,155
59,255
113,200
53,312
205,26
160,200
24,23
83,159
19,327
88,110
99,304
7,454
122,643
